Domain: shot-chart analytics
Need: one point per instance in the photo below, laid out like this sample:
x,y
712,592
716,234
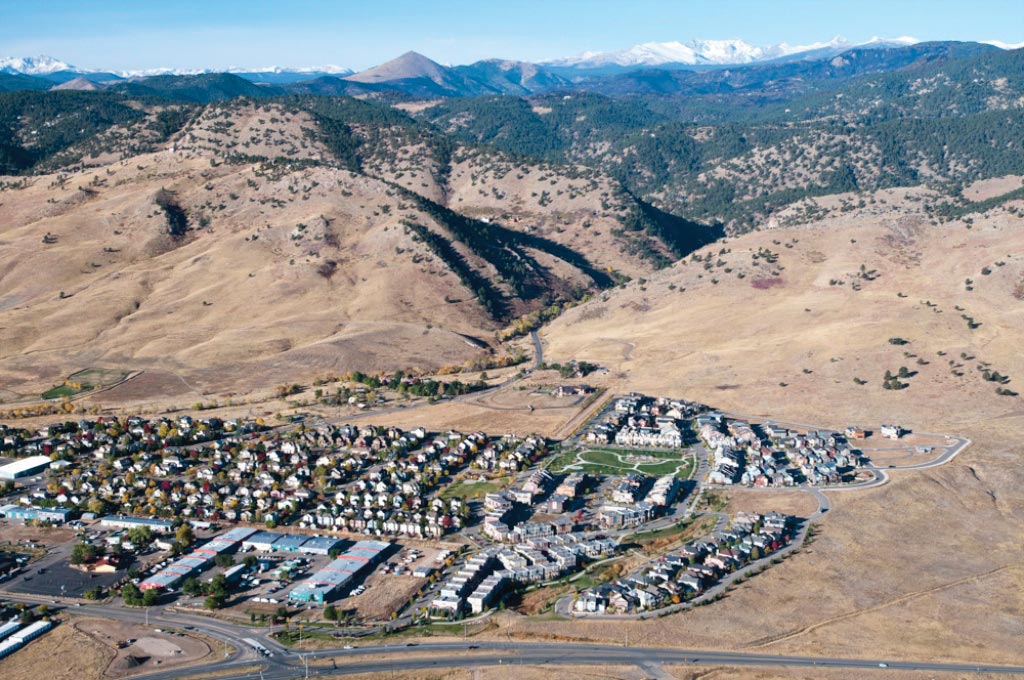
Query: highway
x,y
459,655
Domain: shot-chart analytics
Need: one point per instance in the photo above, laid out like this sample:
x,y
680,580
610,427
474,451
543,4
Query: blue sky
x,y
117,34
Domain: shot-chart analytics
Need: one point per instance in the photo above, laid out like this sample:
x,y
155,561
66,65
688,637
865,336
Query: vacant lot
x,y
472,489
796,502
65,653
148,651
16,532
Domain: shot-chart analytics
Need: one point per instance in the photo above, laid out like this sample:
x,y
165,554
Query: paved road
x,y
458,655
538,350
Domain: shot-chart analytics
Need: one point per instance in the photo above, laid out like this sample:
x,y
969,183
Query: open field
x,y
471,489
795,502
82,657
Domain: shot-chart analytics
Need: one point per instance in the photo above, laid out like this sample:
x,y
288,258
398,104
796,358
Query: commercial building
x,y
26,467
262,541
9,629
198,560
19,639
157,526
28,512
320,545
332,579
269,541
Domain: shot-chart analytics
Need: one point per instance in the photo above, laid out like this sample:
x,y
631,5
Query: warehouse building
x,y
157,526
21,638
196,561
28,512
290,542
26,467
269,541
262,541
9,629
320,545
332,579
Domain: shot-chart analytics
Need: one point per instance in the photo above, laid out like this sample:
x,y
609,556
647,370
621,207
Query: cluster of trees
x,y
894,382
421,388
534,320
215,590
84,553
56,121
135,597
572,369
505,249
489,297
177,218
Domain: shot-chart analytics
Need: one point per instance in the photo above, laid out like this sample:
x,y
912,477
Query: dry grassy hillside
x,y
281,273
826,298
248,129
238,247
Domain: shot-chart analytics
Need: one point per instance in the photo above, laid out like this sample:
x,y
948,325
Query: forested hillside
x,y
725,147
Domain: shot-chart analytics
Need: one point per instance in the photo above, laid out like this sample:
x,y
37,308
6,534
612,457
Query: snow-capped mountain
x,y
33,66
1003,45
46,66
330,69
711,53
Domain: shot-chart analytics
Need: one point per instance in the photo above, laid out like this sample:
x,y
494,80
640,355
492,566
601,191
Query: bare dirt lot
x,y
16,532
149,652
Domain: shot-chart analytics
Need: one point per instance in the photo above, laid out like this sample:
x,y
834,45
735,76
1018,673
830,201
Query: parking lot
x,y
59,580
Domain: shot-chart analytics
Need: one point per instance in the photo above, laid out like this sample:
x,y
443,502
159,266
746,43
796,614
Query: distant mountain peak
x,y
79,83
34,66
409,65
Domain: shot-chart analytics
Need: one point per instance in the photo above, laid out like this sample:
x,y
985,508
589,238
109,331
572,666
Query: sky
x,y
141,34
